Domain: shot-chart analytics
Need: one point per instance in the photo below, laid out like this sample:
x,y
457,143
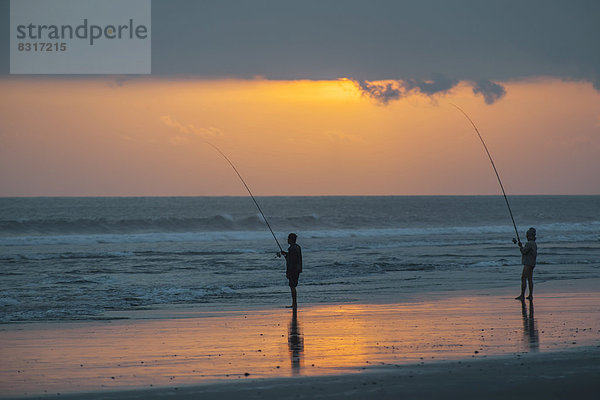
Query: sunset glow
x,y
338,199
146,137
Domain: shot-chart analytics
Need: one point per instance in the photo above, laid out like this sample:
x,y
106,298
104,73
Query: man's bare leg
x,y
523,284
294,303
530,280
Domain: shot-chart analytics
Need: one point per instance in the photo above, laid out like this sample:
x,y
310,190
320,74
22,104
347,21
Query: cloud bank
x,y
374,41
383,92
388,90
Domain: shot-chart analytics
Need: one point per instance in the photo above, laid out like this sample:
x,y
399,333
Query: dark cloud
x,y
382,91
468,40
491,91
438,83
388,90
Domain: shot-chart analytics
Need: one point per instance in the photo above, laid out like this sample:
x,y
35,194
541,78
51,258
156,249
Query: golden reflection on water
x,y
530,331
295,343
330,339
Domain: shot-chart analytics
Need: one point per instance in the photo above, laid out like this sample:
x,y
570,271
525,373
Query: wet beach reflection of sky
x,y
205,346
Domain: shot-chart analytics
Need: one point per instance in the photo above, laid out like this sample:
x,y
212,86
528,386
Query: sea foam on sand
x,y
428,347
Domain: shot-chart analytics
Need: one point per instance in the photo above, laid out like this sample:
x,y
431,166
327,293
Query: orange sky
x,y
93,137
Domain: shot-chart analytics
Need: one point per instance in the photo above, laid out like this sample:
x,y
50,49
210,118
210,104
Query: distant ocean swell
x,y
103,225
567,232
225,222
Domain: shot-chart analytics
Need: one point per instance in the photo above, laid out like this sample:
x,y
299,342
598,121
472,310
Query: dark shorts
x,y
527,269
293,278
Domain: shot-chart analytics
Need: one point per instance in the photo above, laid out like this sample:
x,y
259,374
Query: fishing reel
x,y
514,241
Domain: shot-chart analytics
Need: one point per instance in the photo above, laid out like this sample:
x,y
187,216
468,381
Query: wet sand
x,y
466,343
564,375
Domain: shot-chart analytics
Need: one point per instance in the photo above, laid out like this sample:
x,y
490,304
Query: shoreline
x,y
207,310
219,347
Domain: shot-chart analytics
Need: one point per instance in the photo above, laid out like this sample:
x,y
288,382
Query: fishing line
x,y
248,189
495,170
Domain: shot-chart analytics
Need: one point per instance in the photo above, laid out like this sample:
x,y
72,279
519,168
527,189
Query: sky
x,y
320,98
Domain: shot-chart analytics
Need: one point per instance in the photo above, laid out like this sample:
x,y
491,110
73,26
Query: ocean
x,y
80,258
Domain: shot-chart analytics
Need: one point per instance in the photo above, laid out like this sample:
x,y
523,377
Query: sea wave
x,y
44,308
65,226
560,232
351,224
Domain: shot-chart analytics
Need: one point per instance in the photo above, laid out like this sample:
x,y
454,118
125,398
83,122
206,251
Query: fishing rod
x,y
248,189
495,170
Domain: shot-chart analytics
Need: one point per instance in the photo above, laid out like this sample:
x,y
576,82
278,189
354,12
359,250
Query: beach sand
x,y
564,375
463,344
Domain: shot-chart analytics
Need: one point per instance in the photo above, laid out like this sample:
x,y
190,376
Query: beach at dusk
x,y
436,342
354,199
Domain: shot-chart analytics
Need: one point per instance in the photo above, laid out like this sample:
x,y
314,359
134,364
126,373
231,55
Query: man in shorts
x,y
293,258
528,258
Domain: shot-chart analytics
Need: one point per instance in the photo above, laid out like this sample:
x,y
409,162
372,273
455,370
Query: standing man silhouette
x,y
293,258
529,256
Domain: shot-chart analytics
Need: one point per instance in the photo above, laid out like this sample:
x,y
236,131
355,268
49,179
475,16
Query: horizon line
x,y
298,195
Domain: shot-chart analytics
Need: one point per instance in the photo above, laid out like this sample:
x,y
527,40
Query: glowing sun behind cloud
x,y
148,137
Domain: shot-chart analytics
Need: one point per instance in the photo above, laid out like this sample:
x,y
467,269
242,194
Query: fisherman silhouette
x,y
529,256
293,258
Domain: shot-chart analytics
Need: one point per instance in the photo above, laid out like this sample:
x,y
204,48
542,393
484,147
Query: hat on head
x,y
531,233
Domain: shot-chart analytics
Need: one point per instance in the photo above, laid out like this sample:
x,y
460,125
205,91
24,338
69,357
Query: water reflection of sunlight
x,y
328,339
530,330
295,343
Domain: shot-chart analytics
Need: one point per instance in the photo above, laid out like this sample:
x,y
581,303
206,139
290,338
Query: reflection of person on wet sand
x,y
295,343
293,259
529,326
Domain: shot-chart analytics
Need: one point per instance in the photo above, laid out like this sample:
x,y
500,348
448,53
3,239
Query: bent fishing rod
x,y
249,192
495,170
